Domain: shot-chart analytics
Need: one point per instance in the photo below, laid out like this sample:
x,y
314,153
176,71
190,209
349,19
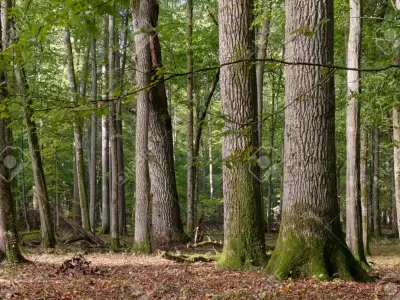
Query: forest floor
x,y
125,276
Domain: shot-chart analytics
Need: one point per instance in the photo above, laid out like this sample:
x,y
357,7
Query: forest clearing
x,y
200,149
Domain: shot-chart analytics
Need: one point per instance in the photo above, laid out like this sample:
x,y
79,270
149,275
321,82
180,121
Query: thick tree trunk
x,y
166,220
190,197
243,228
311,242
375,183
114,225
141,13
93,138
364,190
105,195
354,236
77,134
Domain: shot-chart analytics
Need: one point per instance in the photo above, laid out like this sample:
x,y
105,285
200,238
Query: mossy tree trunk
x,y
243,231
311,242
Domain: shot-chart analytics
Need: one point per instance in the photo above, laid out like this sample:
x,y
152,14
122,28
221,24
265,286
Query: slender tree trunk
x,y
93,135
105,195
76,207
114,230
141,13
190,220
364,190
262,54
77,133
354,237
311,242
46,222
120,145
375,183
243,228
24,203
396,150
210,159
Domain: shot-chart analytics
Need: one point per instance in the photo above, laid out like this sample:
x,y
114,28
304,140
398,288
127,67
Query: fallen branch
x,y
187,259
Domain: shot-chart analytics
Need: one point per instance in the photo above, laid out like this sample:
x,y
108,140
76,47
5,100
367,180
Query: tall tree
x,y
46,221
166,220
114,230
120,145
311,242
93,139
77,133
243,230
141,15
190,194
354,237
9,242
105,195
396,141
262,42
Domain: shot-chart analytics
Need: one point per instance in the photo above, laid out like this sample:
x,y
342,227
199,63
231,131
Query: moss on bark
x,y
240,253
316,252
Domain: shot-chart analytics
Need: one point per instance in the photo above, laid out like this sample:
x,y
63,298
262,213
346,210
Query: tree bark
x,y
243,229
375,183
167,226
354,237
114,225
77,133
311,242
141,13
105,195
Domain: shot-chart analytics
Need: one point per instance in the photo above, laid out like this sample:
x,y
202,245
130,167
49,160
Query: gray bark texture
x,y
166,227
243,229
141,12
354,236
311,242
